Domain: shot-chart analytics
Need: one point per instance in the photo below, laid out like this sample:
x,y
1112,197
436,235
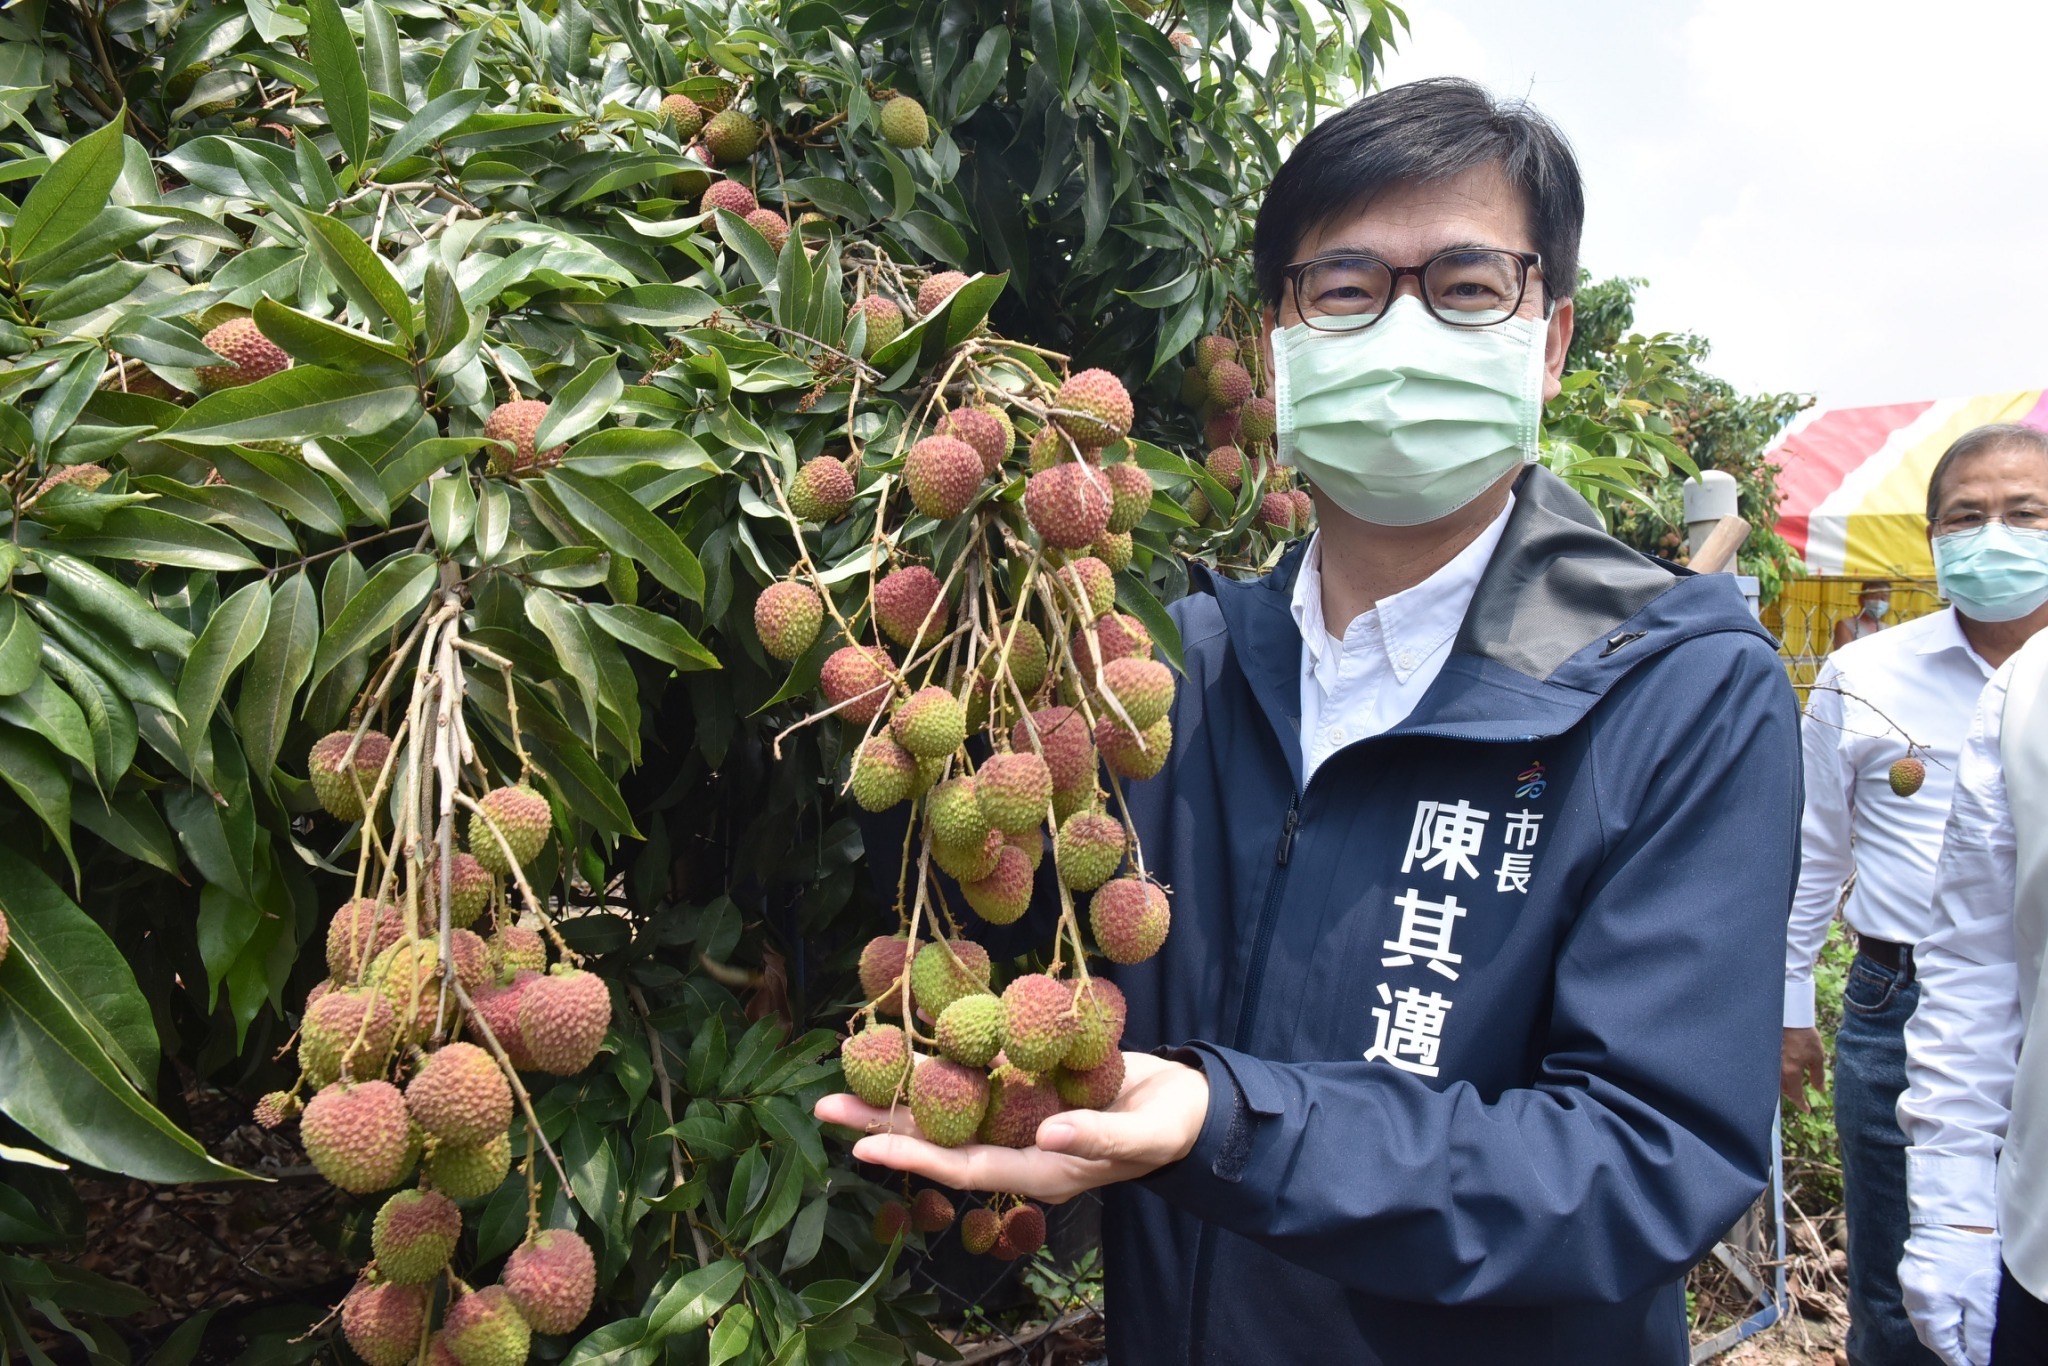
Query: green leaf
x,y
341,84
1139,602
691,1301
50,712
41,779
76,1043
654,635
263,710
231,636
735,1331
143,533
618,520
129,822
287,484
133,674
109,717
360,272
70,194
582,402
438,117
451,511
392,594
293,405
21,648
316,341
91,592
380,52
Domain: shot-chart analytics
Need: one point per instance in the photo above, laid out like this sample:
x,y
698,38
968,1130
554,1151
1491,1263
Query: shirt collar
x,y
1945,632
1409,626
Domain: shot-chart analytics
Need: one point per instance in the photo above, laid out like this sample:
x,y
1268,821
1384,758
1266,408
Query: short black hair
x,y
1977,441
1419,132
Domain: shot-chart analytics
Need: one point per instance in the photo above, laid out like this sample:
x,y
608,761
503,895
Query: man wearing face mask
x,y
1480,830
1905,694
1976,1112
1871,604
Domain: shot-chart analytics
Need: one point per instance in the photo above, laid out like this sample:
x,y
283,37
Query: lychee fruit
x,y
903,123
1258,421
511,428
1087,579
1116,636
1094,408
945,971
1068,505
1226,466
883,773
342,791
930,723
1229,384
1114,548
948,1101
563,1018
1092,1088
891,1221
414,1235
970,1031
1088,849
1014,791
1220,428
936,290
359,1137
460,1096
881,971
680,115
1130,495
484,1328
1211,351
771,225
731,136
1027,658
249,355
1197,505
273,1109
930,1212
1907,775
1023,1233
876,1061
853,681
360,930
955,815
908,606
1031,844
1018,1102
498,1008
731,195
787,617
979,1228
468,1172
1276,513
1061,737
383,1321
1134,754
985,429
1038,1020
1143,687
521,816
885,322
1129,917
1003,895
409,976
1099,1012
942,474
1049,446
1304,506
335,1025
552,1277
515,949
822,490
469,890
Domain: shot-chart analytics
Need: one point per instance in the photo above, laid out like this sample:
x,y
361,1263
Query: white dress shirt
x,y
1963,1042
1919,680
1365,682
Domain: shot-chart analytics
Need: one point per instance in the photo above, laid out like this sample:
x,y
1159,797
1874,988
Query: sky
x,y
1847,198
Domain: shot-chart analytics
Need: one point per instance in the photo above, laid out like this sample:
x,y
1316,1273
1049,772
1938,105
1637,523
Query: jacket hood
x,y
1563,611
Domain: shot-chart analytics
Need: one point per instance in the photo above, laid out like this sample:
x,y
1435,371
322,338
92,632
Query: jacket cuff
x,y
1799,1002
1241,1094
1944,1188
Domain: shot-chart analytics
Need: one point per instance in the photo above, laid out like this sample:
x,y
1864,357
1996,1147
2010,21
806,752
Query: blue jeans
x,y
1870,1072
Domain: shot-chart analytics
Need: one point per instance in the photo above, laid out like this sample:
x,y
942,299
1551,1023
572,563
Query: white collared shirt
x,y
1919,680
1963,1042
1366,681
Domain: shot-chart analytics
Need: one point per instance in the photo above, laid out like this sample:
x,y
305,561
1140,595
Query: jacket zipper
x,y
1247,1016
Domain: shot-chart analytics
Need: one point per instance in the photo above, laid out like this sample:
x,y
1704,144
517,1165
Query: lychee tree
x,y
445,452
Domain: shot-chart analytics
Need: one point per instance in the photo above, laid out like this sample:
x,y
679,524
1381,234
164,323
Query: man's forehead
x,y
1411,219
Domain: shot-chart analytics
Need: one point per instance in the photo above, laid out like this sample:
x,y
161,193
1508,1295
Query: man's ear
x,y
1556,344
1267,322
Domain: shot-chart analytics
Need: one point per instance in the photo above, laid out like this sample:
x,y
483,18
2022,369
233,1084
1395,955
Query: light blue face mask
x,y
1992,572
1408,420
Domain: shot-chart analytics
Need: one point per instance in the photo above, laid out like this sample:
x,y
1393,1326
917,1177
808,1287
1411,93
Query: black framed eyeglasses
x,y
1463,287
2026,517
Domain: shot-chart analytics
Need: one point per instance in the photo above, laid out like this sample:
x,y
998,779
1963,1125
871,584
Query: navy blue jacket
x,y
1490,1008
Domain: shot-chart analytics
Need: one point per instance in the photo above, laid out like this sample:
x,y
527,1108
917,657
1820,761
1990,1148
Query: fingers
x,y
1030,1172
855,1113
1088,1134
1817,1073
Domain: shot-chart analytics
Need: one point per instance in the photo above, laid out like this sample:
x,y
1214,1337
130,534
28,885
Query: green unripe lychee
x,y
1259,420
1014,791
1099,1012
359,1137
1229,384
468,1172
731,136
342,787
1018,1102
876,1061
885,322
383,1321
1092,1088
1211,351
883,773
460,1096
970,1031
822,490
414,1235
1085,579
521,816
1038,1021
1130,496
516,949
1094,408
1129,918
854,680
1134,754
1027,659
563,1018
787,617
930,723
939,977
903,123
552,1278
1003,894
947,1100
485,1329
1088,849
955,815
335,1026
680,116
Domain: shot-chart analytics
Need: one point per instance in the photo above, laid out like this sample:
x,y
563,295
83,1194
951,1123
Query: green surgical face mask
x,y
1408,420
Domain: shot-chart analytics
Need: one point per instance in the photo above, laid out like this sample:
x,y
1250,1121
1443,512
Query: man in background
x,y
1884,727
1871,604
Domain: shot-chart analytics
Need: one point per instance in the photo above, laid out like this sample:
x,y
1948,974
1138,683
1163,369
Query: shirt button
x,y
1404,661
1335,735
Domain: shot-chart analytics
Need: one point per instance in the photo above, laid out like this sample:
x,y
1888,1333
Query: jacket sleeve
x,y
1647,1129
